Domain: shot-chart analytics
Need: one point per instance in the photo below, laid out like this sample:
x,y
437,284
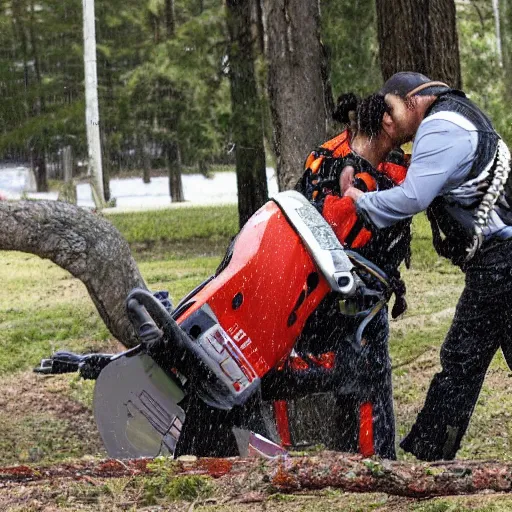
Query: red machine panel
x,y
263,297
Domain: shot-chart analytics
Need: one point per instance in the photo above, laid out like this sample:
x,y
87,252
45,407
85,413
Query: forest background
x,y
194,83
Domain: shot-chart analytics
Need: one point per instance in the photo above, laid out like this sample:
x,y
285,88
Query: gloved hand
x,y
92,364
399,307
150,335
163,297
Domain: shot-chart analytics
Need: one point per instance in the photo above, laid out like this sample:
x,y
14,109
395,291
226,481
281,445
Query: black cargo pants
x,y
482,323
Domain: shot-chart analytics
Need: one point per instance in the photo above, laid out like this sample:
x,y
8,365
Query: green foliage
x,y
164,484
179,94
157,88
152,88
42,103
484,80
374,466
349,34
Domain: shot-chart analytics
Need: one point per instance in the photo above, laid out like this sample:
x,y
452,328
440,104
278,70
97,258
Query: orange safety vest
x,y
340,212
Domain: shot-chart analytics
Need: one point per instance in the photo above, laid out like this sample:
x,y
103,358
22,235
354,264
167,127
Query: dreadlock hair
x,y
346,108
370,112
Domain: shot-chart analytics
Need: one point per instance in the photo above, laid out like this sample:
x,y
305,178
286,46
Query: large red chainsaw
x,y
225,335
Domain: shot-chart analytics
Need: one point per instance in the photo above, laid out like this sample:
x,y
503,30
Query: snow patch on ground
x,y
133,193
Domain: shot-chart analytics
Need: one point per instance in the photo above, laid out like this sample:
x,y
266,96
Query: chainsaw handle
x,y
146,329
366,265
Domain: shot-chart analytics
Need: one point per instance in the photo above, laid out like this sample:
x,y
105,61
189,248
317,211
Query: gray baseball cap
x,y
408,83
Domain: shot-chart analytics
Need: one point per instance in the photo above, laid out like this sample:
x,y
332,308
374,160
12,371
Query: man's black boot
x,y
432,443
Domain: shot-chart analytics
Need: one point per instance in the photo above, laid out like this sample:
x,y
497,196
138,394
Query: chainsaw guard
x,y
136,408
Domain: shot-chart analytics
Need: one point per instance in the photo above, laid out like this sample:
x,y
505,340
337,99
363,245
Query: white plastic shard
x,y
319,238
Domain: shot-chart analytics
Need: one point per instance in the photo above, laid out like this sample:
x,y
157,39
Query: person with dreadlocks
x,y
325,357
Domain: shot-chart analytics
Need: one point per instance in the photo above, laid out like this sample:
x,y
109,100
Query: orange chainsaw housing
x,y
261,300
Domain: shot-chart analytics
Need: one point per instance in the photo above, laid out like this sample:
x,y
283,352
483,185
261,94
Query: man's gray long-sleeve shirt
x,y
442,156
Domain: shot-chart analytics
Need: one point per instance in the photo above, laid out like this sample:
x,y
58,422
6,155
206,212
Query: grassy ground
x,y
44,420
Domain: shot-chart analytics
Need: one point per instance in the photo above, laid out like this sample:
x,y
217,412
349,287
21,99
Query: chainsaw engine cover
x,y
245,320
136,408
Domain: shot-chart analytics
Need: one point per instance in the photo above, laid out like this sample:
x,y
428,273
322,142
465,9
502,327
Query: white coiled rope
x,y
500,177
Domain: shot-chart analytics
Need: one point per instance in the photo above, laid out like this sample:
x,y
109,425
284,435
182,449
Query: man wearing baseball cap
x,y
459,174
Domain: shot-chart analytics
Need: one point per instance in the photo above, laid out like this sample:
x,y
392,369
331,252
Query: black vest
x,y
453,220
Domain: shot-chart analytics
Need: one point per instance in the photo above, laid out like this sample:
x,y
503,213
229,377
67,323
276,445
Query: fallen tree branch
x,y
350,473
84,244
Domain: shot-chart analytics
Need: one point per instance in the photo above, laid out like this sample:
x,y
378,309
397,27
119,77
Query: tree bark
x,y
421,36
105,176
174,166
170,19
146,159
85,245
247,116
40,170
173,149
506,34
39,106
295,86
108,105
497,30
20,31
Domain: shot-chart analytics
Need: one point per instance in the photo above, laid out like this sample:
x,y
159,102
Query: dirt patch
x,y
41,422
29,392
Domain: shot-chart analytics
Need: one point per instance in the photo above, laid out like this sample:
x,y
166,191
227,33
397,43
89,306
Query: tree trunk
x,y
421,36
39,159
40,170
155,26
173,149
170,19
67,163
247,120
506,36
174,166
146,160
108,105
20,31
68,192
106,180
37,63
295,86
497,30
85,245
259,28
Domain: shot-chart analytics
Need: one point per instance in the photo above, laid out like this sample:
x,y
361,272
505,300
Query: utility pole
x,y
92,116
496,11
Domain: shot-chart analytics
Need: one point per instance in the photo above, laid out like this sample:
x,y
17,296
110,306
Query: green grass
x,y
177,224
39,436
465,504
43,308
